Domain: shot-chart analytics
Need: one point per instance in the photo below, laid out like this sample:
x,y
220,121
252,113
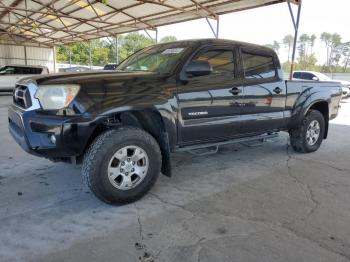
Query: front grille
x,y
21,96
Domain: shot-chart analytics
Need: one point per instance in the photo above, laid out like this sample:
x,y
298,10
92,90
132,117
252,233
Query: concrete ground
x,y
262,203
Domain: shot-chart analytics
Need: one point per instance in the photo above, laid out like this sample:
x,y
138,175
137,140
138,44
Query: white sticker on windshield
x,y
172,51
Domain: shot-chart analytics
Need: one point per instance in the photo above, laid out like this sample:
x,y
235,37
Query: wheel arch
x,y
149,119
323,107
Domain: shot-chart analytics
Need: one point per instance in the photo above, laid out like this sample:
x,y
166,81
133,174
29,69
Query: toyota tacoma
x,y
123,125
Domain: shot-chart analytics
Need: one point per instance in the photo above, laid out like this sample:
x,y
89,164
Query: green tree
x,y
332,41
288,43
312,43
308,63
79,52
275,46
335,44
131,43
62,54
346,55
326,38
167,39
103,50
304,40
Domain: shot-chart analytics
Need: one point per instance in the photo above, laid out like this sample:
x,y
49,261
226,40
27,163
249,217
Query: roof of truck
x,y
223,42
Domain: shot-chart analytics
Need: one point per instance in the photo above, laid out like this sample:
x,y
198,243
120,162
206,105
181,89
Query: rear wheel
x,y
309,135
122,165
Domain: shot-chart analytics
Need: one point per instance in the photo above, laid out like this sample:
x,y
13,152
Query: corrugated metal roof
x,y
55,22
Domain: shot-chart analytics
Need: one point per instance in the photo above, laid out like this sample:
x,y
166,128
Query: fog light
x,y
53,139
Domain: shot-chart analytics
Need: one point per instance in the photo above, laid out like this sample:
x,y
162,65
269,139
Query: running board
x,y
205,148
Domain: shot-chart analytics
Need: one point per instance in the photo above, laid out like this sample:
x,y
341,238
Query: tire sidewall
x,y
313,115
101,164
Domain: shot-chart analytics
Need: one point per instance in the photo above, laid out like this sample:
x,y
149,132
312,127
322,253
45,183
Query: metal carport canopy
x,y
56,22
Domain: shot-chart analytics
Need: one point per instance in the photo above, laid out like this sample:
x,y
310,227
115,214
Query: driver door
x,y
210,105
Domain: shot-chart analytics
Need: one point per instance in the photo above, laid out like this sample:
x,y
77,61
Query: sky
x,y
266,24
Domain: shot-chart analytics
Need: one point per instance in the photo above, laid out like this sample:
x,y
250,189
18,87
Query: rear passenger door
x,y
264,91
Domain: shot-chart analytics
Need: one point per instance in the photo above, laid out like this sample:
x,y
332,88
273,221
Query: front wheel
x,y
122,165
309,135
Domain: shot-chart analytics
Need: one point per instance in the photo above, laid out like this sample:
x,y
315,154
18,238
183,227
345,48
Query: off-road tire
x,y
97,158
298,135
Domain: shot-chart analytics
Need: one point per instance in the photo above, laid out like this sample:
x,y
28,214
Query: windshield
x,y
322,77
7,70
159,58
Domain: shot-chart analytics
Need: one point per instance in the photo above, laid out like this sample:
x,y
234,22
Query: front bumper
x,y
32,131
345,92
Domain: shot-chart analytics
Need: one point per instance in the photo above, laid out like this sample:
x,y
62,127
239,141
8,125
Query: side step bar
x,y
215,146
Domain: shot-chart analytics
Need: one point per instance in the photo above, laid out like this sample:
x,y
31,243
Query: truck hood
x,y
105,91
83,78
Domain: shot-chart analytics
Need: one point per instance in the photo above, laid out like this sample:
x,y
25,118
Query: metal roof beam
x,y
296,31
100,25
129,15
174,8
4,13
21,42
55,15
205,8
48,27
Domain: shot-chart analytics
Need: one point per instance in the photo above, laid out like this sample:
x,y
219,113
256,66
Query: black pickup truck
x,y
122,125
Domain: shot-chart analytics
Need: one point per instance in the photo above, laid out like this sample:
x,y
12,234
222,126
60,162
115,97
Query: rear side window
x,y
258,66
221,61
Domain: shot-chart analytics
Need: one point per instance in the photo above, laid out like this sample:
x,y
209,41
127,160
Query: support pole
x,y
149,35
217,27
216,34
296,28
116,50
90,55
70,56
54,58
25,55
291,13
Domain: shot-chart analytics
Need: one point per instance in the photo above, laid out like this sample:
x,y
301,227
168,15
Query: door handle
x,y
277,90
235,91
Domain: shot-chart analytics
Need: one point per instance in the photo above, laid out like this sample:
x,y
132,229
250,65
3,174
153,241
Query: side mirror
x,y
198,68
315,78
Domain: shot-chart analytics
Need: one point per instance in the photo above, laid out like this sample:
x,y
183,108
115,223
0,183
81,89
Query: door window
x,y
220,60
307,76
297,75
258,66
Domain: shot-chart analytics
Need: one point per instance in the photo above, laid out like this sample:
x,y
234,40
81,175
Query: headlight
x,y
56,96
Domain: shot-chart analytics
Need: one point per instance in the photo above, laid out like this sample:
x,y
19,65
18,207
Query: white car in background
x,y
316,76
11,74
